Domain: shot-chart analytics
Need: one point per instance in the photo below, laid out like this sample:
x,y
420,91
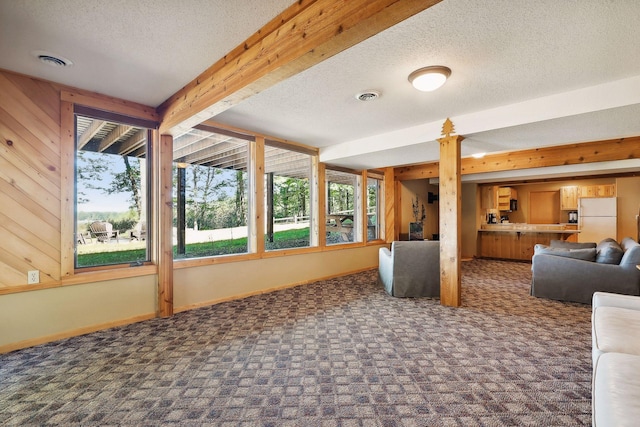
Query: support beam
x,y
561,155
450,217
302,36
164,224
269,178
181,209
391,229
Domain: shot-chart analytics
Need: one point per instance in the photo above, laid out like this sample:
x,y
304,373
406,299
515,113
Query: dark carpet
x,y
339,352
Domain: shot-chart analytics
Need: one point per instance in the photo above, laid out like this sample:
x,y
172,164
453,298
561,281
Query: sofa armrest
x,y
607,299
385,269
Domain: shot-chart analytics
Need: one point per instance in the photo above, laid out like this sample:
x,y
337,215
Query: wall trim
x,y
73,333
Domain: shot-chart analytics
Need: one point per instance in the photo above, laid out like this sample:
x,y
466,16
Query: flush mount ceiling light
x,y
478,155
431,78
52,59
369,95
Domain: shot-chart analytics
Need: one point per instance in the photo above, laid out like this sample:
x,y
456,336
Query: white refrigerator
x,y
597,218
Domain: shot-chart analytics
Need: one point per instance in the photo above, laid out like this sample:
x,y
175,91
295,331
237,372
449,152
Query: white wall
x,y
28,318
198,286
31,318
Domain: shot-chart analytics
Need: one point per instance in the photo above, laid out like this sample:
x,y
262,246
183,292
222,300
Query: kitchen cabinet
x,y
602,190
505,195
569,198
489,196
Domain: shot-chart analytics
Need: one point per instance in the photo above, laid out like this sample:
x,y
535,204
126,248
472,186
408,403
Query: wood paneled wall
x,y
29,180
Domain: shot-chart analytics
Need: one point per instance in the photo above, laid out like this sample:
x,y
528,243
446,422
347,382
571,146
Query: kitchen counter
x,y
517,241
531,228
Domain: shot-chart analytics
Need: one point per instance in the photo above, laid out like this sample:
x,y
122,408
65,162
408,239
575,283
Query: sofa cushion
x,y
612,327
587,254
609,252
616,390
631,252
571,245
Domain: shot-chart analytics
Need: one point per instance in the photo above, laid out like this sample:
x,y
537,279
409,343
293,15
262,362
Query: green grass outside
x,y
281,240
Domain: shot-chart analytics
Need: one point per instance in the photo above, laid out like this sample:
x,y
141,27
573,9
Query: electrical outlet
x,y
33,277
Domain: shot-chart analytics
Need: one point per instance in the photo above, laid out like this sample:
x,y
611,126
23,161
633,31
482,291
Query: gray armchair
x,y
410,269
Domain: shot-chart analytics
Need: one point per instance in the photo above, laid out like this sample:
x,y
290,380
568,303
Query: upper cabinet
x,y
603,190
505,195
498,198
569,198
489,196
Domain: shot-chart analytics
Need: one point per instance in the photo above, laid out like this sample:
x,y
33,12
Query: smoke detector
x,y
369,95
52,59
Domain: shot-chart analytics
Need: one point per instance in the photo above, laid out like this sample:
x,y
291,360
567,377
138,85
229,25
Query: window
x,y
374,224
343,207
287,197
210,193
111,188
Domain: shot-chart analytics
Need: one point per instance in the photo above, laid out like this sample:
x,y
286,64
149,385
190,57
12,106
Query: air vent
x,y
52,59
370,95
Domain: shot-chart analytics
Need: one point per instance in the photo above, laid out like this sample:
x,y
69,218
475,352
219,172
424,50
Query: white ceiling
x,y
524,74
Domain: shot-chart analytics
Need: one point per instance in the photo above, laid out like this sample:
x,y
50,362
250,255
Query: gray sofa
x,y
410,269
574,271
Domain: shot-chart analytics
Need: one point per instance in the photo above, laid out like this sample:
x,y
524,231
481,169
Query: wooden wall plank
x,y
46,94
29,180
31,254
45,244
26,181
43,126
25,146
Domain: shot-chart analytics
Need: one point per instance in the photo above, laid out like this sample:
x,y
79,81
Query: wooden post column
x,y
164,241
450,216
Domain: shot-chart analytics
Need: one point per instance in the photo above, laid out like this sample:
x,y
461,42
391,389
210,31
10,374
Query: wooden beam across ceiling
x,y
306,33
561,155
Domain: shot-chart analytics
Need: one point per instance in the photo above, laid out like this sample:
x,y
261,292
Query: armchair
x,y
410,269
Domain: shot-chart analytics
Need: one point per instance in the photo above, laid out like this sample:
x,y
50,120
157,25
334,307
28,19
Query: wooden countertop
x,y
527,228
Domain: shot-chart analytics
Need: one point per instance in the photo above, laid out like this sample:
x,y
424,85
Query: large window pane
x,y
210,194
111,192
287,198
342,207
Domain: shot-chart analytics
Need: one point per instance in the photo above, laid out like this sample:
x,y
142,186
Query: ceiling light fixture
x,y
478,155
52,59
431,78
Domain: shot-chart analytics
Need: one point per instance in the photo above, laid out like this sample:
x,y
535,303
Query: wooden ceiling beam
x,y
306,33
561,155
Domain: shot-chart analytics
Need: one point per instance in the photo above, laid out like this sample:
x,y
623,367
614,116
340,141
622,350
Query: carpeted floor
x,y
334,353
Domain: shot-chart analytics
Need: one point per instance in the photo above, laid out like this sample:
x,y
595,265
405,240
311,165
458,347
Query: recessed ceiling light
x,y
431,78
52,59
369,95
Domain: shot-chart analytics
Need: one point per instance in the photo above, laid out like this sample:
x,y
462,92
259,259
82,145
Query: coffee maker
x,y
491,218
573,217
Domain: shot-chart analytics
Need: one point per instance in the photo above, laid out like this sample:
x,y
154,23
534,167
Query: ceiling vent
x,y
370,95
52,59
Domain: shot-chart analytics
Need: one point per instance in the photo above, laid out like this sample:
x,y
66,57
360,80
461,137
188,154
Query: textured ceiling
x,y
524,74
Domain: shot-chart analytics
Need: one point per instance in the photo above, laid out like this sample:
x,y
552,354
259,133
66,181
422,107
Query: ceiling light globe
x,y
429,78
